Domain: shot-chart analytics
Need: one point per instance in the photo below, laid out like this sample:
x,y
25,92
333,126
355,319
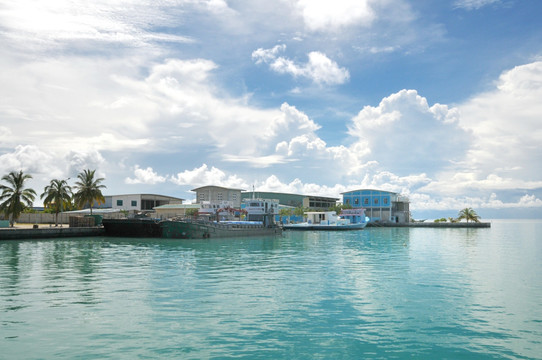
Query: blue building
x,y
380,206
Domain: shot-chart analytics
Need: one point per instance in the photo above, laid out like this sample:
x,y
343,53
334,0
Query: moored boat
x,y
135,227
259,212
329,220
201,229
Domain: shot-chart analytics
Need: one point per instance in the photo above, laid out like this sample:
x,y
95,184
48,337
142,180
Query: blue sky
x,y
439,101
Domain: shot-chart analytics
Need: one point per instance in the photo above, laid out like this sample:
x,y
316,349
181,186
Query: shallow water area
x,y
379,293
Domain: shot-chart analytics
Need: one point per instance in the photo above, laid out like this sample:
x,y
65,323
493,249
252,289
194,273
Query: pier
x,y
457,225
48,232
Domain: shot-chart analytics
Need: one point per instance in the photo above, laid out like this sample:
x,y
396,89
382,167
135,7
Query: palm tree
x,y
15,198
468,214
88,189
57,195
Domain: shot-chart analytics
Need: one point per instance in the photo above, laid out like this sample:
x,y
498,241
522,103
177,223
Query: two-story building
x,y
294,200
218,194
379,205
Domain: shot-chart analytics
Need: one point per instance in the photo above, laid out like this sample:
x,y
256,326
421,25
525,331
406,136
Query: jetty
x,y
442,225
35,232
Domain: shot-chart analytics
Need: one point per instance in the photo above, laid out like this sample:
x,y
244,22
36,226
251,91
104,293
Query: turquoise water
x,y
375,294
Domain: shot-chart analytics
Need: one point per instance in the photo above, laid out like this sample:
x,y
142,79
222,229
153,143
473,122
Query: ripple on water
x,y
377,293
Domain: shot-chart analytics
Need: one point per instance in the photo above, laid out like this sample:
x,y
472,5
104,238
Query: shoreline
x,y
458,225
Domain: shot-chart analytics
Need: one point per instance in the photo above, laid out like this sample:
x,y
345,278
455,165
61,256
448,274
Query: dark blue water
x,y
375,293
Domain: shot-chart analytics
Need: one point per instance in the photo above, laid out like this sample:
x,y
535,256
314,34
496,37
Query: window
x,y
201,196
356,201
385,200
347,201
375,201
134,202
219,196
234,197
366,201
119,202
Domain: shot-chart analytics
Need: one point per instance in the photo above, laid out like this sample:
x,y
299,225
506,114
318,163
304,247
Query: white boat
x,y
328,220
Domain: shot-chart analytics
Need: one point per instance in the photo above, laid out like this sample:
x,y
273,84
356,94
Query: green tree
x,y
300,211
57,196
15,198
285,212
191,212
88,190
468,214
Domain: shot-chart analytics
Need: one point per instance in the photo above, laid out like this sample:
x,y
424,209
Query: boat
x,y
134,227
329,220
260,215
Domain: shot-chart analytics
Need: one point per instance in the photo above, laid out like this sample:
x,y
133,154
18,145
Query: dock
x,y
31,233
443,225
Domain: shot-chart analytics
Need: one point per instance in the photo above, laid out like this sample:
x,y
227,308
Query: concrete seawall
x,y
56,232
458,225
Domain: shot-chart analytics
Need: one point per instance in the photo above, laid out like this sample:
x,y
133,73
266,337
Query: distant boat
x,y
260,214
329,220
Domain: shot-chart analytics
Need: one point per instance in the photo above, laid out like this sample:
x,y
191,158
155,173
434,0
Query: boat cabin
x,y
325,218
261,209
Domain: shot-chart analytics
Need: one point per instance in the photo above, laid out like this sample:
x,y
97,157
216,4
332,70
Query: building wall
x,y
217,193
136,202
379,205
126,202
294,200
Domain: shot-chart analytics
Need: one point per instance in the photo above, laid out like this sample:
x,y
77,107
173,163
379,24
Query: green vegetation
x,y
468,214
15,198
58,195
339,208
191,212
88,189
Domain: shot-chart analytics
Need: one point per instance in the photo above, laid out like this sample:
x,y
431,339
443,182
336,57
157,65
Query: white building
x,y
137,202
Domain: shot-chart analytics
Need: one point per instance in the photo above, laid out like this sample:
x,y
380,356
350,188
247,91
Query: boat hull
x,y
182,229
132,227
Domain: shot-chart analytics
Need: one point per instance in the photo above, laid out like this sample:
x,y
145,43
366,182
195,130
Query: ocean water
x,y
379,293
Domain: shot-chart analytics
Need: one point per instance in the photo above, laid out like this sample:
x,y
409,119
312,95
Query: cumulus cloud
x,y
30,159
319,68
404,133
204,176
506,125
145,176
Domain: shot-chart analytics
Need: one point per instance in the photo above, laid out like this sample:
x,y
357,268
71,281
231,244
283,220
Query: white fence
x,y
43,218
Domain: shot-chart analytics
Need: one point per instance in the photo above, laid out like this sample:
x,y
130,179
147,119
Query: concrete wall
x,y
45,233
42,218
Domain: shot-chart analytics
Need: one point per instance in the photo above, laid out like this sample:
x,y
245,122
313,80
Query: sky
x,y
437,100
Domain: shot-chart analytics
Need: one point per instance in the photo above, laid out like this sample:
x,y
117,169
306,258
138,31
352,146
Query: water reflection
x,y
380,292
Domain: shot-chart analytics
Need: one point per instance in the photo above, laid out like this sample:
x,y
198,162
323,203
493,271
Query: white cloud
x,y
145,176
421,201
505,123
319,68
64,23
474,4
407,135
204,176
322,15
267,55
30,159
